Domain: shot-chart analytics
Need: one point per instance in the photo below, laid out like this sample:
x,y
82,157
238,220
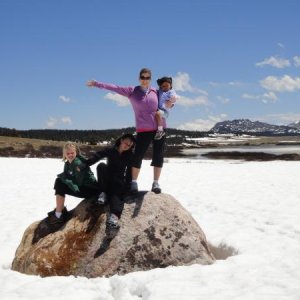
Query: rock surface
x,y
156,232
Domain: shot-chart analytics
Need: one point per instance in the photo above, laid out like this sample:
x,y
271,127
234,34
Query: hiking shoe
x,y
159,134
101,199
156,188
133,187
112,222
52,219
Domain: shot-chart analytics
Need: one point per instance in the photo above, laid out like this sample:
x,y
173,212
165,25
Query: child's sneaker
x,y
133,187
52,219
159,134
156,188
101,199
112,222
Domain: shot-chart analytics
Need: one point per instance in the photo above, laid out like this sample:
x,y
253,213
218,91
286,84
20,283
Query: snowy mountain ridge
x,y
295,124
248,126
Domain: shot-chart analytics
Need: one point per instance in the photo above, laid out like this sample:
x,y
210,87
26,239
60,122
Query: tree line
x,y
93,137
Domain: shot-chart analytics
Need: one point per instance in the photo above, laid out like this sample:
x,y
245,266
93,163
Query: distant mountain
x,y
256,127
295,124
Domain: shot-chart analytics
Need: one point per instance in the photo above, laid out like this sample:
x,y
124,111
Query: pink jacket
x,y
144,104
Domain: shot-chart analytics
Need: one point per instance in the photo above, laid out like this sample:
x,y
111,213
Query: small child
x,y
165,93
76,180
114,177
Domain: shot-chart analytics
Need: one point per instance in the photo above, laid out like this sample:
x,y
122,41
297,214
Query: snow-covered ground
x,y
253,207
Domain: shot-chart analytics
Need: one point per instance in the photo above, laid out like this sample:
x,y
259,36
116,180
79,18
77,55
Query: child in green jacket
x,y
76,180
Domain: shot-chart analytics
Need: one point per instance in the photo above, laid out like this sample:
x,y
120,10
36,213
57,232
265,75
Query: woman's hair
x,y
124,137
145,70
67,146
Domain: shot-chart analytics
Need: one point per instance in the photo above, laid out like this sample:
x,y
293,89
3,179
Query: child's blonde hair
x,y
67,146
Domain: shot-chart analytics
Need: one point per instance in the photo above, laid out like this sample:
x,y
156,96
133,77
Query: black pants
x,y
102,177
114,196
143,140
116,204
85,192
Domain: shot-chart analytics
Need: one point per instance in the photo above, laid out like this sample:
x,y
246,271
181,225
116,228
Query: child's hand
x,y
91,83
169,104
81,167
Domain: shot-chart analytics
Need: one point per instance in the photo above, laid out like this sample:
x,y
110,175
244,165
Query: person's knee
x,y
157,163
58,184
137,163
59,188
137,160
101,166
157,160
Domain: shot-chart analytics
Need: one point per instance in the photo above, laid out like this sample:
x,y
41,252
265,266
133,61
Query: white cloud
x,y
51,122
223,99
54,122
181,83
254,97
119,99
265,98
187,102
64,99
234,83
276,62
203,125
66,120
269,96
281,45
296,61
284,84
214,84
222,84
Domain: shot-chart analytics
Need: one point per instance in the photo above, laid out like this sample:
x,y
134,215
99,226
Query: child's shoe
x,y
159,134
52,219
112,222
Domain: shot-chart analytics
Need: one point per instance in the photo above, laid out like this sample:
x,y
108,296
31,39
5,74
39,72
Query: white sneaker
x,y
156,188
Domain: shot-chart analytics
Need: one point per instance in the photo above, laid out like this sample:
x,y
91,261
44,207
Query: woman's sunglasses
x,y
145,77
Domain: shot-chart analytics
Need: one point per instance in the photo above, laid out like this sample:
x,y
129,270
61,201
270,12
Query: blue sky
x,y
229,59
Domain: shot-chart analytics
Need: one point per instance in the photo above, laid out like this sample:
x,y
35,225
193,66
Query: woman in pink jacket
x,y
144,101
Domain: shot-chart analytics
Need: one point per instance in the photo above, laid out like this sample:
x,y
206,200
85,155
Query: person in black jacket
x,y
114,177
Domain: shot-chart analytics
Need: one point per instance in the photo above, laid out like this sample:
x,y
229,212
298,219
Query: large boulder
x,y
156,232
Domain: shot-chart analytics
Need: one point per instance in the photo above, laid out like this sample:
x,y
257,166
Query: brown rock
x,y
156,231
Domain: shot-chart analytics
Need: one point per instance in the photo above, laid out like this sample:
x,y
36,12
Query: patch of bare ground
x,y
222,251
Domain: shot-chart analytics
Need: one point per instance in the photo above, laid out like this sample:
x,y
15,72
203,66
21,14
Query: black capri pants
x,y
143,140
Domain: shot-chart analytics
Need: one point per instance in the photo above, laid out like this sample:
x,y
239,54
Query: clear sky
x,y
229,59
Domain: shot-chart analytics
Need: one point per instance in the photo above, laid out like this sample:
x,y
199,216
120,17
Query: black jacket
x,y
118,168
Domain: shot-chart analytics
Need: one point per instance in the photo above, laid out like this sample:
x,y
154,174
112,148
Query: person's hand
x,y
81,167
91,83
169,104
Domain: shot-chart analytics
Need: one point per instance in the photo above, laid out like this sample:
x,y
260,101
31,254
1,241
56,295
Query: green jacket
x,y
77,174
